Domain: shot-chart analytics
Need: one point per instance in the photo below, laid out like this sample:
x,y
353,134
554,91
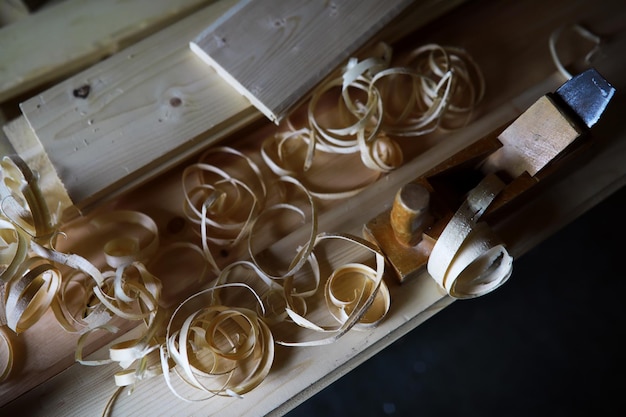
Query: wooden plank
x,y
68,36
275,54
413,302
570,197
559,204
22,140
143,109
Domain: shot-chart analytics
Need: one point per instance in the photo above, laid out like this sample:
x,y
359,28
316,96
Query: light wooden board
x,y
274,53
147,107
65,37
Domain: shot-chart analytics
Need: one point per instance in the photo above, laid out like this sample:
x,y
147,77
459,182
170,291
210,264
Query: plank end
x,y
232,81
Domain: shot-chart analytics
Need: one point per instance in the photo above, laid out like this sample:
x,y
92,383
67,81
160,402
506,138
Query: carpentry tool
x,y
501,168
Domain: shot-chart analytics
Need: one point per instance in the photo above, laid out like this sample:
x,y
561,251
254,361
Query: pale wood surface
x,y
133,91
24,142
565,198
72,34
147,107
301,42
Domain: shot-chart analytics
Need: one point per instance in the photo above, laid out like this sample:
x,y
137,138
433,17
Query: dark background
x,y
548,342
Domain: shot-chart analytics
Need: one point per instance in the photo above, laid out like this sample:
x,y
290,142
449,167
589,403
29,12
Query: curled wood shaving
x,y
361,121
296,294
356,296
125,249
21,199
303,252
139,357
272,293
580,31
467,260
13,250
29,283
130,292
282,152
348,287
212,347
437,88
76,307
29,295
6,354
217,349
222,203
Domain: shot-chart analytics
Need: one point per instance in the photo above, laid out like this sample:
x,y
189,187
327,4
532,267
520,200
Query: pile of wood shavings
x,y
376,103
213,341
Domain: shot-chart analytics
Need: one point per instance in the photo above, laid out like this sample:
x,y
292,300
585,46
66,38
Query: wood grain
x,y
413,302
25,143
274,55
537,137
144,109
39,49
79,390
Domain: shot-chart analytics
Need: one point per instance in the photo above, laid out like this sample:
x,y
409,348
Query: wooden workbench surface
x,y
510,44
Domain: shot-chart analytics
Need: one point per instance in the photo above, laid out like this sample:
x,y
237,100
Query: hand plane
x,y
501,169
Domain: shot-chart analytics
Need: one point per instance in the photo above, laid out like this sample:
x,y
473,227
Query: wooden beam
x,y
274,54
65,37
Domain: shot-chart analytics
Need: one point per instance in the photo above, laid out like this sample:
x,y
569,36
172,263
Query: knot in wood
x,y
82,91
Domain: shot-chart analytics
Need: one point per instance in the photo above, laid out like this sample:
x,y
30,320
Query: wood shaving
x,y
217,349
6,354
438,87
222,203
356,295
580,31
467,260
217,343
